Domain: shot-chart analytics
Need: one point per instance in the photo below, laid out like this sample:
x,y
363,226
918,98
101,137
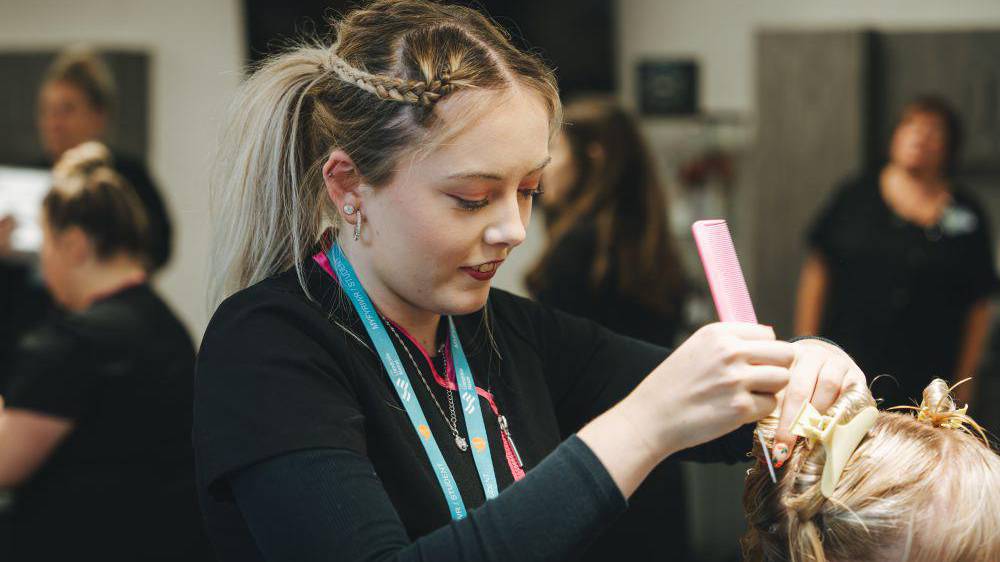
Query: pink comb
x,y
722,268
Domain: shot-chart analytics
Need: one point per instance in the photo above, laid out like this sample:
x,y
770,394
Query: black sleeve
x,y
589,369
265,386
53,373
160,228
326,504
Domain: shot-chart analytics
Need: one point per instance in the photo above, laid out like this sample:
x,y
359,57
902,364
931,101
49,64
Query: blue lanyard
x,y
400,381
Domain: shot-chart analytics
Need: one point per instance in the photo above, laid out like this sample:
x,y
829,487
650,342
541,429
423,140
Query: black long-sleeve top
x,y
304,453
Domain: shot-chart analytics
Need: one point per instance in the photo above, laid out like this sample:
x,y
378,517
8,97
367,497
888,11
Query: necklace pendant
x,y
463,445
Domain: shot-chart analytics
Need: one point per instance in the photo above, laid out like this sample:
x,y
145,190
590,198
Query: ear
x,y
343,183
75,245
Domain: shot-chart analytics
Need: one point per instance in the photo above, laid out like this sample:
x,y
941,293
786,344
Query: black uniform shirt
x,y
120,486
279,373
900,294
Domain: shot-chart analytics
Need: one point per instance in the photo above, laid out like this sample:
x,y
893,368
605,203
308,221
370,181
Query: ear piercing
x,y
350,210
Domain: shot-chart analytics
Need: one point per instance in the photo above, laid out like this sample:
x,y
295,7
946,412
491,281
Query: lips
x,y
483,271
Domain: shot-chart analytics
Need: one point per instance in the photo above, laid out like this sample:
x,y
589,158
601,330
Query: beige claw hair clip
x,y
839,440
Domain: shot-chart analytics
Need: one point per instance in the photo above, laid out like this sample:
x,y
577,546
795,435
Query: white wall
x,y
197,50
719,33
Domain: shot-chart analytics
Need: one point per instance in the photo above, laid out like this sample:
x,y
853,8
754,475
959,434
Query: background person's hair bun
x,y
81,160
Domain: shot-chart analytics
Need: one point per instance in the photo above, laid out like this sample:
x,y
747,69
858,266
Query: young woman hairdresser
x,y
365,395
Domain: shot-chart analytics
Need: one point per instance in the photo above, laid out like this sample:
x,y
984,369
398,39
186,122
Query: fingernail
x,y
780,454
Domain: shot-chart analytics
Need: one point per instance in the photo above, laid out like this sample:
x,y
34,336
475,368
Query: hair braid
x,y
389,88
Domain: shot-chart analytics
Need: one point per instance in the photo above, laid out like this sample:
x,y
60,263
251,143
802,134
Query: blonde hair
x,y
89,194
923,488
372,94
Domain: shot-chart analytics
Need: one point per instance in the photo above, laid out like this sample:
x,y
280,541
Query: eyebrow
x,y
493,175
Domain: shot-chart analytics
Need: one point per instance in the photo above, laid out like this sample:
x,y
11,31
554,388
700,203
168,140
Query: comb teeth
x,y
722,268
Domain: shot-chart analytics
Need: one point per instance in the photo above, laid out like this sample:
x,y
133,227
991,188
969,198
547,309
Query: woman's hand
x,y
722,377
820,373
725,375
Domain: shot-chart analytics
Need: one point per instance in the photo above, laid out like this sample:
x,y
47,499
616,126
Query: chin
x,y
462,302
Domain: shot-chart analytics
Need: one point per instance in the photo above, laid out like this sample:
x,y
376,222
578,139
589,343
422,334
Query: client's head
x,y
922,487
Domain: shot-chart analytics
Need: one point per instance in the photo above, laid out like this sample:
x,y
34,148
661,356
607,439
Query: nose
x,y
508,227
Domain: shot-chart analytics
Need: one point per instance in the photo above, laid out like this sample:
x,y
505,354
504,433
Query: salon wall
x,y
196,50
720,33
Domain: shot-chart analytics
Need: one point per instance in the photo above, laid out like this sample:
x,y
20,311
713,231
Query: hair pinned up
x,y
938,409
889,501
87,193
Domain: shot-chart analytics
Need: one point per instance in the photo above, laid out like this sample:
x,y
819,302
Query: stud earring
x,y
349,209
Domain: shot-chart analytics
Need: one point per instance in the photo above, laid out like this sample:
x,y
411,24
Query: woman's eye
x,y
471,204
533,193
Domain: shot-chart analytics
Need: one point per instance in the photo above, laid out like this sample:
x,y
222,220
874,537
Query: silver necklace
x,y
451,420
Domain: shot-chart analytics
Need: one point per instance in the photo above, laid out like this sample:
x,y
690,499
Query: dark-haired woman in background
x,y
75,104
902,263
610,258
95,439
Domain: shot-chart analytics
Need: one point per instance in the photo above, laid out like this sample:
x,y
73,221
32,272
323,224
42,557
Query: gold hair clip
x,y
840,440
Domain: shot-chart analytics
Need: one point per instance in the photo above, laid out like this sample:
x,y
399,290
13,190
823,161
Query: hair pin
x,y
767,457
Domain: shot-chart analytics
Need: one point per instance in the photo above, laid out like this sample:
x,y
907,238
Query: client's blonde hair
x,y
918,488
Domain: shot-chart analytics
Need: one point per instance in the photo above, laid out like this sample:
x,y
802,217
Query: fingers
x,y
767,379
763,405
769,353
804,374
829,384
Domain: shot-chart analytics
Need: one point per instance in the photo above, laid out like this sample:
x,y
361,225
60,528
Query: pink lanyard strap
x,y
448,381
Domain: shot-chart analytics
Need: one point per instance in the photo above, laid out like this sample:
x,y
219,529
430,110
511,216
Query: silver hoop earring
x,y
357,227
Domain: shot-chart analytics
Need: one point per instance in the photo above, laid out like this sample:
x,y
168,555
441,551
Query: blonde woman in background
x,y
76,103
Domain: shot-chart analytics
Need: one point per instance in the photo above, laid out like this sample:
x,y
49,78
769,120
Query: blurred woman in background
x,y
611,258
902,266
95,439
75,105
610,255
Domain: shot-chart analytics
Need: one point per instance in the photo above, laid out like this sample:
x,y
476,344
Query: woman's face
x,y
560,174
920,143
66,118
436,233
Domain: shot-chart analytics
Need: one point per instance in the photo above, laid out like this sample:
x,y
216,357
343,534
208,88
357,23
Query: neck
x,y
106,277
421,324
927,181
